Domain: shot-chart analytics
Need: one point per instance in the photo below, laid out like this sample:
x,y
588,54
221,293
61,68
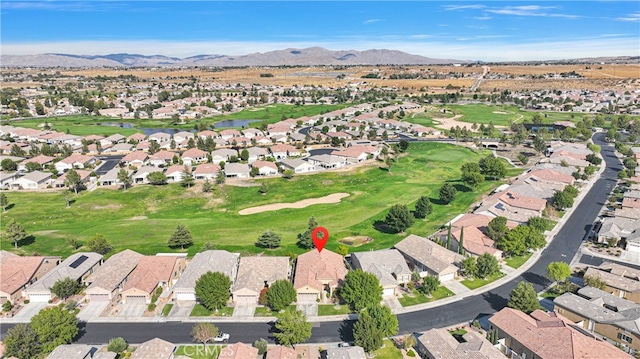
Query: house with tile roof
x,y
238,351
621,281
206,171
77,266
595,310
155,348
136,158
345,353
108,280
281,352
388,265
265,168
317,275
175,173
41,160
17,273
547,335
193,156
475,242
429,258
151,273
73,351
32,180
439,343
203,262
76,160
256,272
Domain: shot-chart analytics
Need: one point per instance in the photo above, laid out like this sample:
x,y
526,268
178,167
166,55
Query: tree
x,y
399,218
14,232
262,345
304,239
269,240
361,290
366,333
596,282
558,271
3,202
73,180
539,144
486,266
342,250
403,145
54,326
8,165
423,207
429,284
524,298
65,288
187,178
447,193
538,223
207,187
203,332
181,237
469,266
99,244
514,241
389,162
74,243
117,345
497,228
561,200
124,178
154,147
288,174
471,174
157,178
32,166
461,242
385,320
21,341
213,290
292,328
492,167
280,294
244,154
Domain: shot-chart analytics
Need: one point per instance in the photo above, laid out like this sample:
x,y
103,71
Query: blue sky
x,y
481,30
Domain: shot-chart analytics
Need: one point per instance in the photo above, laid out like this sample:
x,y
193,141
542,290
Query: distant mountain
x,y
288,57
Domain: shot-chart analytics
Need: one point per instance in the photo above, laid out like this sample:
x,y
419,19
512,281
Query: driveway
x,y
244,310
92,310
392,302
134,310
309,309
29,311
182,309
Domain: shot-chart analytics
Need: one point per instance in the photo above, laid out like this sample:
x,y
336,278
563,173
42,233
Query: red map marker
x,y
320,242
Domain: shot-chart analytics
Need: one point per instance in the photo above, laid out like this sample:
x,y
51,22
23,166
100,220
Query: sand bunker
x,y
332,198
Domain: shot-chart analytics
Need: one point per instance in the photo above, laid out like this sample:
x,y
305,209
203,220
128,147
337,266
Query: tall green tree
x,y
423,207
493,167
187,178
385,320
562,200
429,284
14,232
558,271
181,237
124,178
73,180
4,202
99,244
497,228
269,240
213,290
398,218
292,328
65,288
8,165
157,178
280,294
366,333
524,298
21,341
461,242
447,193
471,174
54,326
304,239
361,290
203,332
486,266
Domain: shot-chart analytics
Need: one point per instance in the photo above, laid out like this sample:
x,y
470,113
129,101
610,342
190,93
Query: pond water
x,y
234,123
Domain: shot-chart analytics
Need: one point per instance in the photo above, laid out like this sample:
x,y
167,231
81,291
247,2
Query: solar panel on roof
x,y
78,261
500,206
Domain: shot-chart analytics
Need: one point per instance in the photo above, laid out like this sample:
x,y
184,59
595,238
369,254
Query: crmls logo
x,y
201,350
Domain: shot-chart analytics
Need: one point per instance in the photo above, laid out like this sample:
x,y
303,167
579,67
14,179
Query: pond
x,y
234,123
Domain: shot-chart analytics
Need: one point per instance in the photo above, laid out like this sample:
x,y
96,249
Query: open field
x,y
144,217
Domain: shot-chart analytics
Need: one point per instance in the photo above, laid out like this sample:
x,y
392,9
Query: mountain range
x,y
288,57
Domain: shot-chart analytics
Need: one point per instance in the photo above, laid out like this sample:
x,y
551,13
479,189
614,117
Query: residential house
x,y
114,139
354,352
73,351
255,273
136,158
111,178
265,168
357,153
182,136
193,156
606,314
282,151
76,160
237,170
41,160
7,177
475,242
281,352
617,228
251,132
429,258
151,273
17,273
513,206
256,153
438,343
155,348
32,180
136,137
222,155
547,335
160,137
621,281
60,182
77,266
203,262
105,284
208,133
143,172
162,158
206,171
388,265
229,133
297,165
175,173
317,275
327,162
238,351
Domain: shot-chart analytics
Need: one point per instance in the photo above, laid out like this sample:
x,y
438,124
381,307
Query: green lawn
x,y
477,283
330,309
199,351
516,261
144,217
419,298
390,351
200,311
267,312
79,125
459,332
274,113
166,309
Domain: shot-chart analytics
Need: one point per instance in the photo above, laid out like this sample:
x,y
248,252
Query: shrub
x,y
117,345
151,307
411,353
261,345
7,306
26,301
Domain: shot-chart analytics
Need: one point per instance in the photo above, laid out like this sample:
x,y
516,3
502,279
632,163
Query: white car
x,y
221,338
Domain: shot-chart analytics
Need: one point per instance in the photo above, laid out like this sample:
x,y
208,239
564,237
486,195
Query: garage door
x,y
245,299
39,297
185,296
136,299
307,298
99,297
445,277
388,292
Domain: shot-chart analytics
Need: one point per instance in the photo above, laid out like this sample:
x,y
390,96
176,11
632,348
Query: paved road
x,y
563,248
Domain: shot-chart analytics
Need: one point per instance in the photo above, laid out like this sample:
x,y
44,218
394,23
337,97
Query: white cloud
x,y
482,18
635,17
371,21
463,7
524,10
485,48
